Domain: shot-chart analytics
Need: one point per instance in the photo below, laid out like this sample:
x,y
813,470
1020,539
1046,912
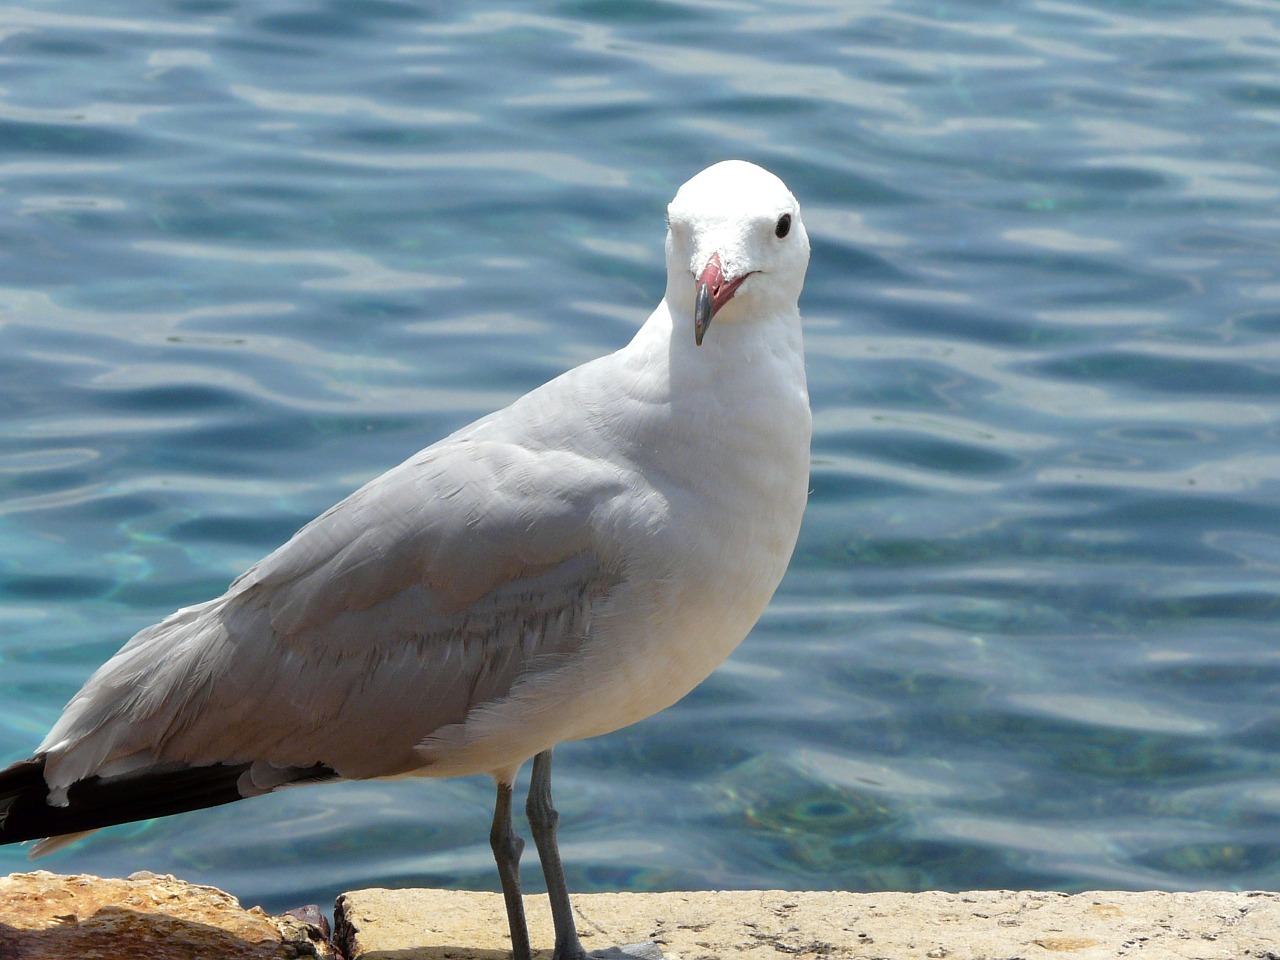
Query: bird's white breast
x,y
716,444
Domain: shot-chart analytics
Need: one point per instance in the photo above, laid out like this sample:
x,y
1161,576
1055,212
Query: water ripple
x,y
1028,635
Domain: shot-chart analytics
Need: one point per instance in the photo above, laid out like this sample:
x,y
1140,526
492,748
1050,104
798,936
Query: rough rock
x,y
753,925
44,916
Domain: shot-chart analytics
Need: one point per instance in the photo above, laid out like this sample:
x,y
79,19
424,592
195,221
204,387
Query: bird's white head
x,y
736,247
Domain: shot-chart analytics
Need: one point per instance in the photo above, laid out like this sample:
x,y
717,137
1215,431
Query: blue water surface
x,y
253,254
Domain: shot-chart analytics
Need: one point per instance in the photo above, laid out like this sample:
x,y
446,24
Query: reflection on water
x,y
258,254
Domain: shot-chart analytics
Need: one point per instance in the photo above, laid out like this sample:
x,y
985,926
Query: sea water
x,y
253,254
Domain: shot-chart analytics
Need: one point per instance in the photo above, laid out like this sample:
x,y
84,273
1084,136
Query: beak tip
x,y
702,311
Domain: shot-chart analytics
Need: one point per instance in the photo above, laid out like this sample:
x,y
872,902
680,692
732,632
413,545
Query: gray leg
x,y
507,847
542,824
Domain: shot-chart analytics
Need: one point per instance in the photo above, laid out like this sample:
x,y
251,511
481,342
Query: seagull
x,y
559,569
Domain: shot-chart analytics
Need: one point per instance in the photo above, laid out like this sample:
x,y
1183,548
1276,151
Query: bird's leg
x,y
542,824
507,847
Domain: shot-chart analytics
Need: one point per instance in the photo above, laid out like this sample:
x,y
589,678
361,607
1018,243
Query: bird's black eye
x,y
783,227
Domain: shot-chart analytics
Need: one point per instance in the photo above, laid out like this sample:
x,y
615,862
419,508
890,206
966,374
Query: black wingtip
x,y
20,783
20,777
25,813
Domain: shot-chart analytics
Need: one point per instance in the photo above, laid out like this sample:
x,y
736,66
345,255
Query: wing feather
x,y
427,593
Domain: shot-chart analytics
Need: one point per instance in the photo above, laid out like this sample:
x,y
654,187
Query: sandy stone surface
x,y
752,925
44,916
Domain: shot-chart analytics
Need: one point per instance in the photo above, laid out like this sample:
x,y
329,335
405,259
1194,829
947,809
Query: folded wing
x,y
425,595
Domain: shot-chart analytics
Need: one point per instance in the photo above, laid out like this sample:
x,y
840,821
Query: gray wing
x,y
425,594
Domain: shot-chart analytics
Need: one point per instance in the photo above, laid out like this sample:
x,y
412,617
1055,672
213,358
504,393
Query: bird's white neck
x,y
744,386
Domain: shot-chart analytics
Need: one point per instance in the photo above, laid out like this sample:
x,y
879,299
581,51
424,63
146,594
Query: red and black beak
x,y
713,293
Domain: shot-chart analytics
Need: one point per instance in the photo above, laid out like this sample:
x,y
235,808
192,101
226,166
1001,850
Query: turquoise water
x,y
253,254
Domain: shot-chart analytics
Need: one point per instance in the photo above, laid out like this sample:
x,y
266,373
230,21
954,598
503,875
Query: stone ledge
x,y
44,916
753,925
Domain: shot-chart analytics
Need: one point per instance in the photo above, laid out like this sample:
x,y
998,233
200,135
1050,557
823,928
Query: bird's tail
x,y
25,813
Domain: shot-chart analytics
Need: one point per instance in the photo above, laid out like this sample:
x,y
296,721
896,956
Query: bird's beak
x,y
713,293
